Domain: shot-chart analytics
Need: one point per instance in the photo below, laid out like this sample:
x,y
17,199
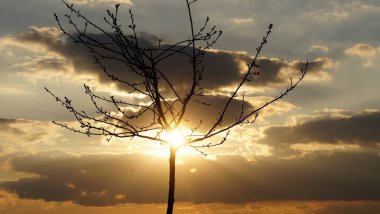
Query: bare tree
x,y
165,103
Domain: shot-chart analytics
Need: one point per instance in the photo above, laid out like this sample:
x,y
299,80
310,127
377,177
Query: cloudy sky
x,y
316,151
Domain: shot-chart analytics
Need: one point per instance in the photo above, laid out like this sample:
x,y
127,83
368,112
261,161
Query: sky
x,y
315,151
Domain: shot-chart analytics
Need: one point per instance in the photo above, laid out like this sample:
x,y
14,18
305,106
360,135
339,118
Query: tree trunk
x,y
173,151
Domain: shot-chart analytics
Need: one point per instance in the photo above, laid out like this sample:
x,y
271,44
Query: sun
x,y
175,138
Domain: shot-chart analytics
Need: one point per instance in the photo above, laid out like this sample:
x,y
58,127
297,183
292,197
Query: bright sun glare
x,y
175,137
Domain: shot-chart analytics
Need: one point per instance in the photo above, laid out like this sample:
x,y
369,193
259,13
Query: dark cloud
x,y
222,68
17,206
361,128
350,208
45,36
100,180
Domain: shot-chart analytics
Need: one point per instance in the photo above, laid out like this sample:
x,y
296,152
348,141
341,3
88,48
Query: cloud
x,y
22,131
337,11
350,208
361,50
13,204
33,55
95,2
242,21
333,129
319,48
222,68
104,180
277,108
44,37
6,126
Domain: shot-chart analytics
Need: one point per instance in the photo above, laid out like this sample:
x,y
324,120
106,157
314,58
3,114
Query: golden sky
x,y
316,151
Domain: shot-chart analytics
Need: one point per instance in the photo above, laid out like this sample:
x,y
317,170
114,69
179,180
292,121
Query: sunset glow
x,y
175,138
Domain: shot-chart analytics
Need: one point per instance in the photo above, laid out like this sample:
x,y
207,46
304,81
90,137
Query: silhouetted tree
x,y
165,102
